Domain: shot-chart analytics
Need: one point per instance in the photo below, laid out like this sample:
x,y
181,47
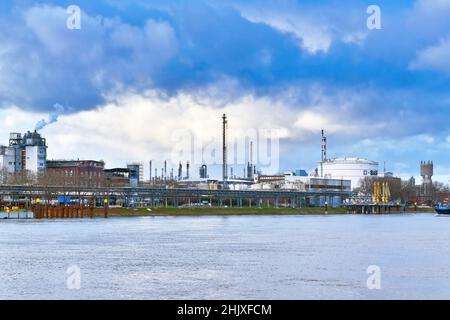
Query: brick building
x,y
76,172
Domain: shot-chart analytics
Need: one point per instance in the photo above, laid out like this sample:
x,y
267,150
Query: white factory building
x,y
27,152
353,169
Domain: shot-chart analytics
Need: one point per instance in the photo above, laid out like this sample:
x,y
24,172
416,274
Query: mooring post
x,y
106,202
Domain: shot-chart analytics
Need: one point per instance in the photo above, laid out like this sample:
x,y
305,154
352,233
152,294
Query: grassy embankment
x,y
141,212
129,212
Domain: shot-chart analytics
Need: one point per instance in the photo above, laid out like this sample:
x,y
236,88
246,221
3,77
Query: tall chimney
x,y
224,147
150,171
165,170
324,152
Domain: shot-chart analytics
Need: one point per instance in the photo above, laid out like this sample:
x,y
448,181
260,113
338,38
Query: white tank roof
x,y
352,160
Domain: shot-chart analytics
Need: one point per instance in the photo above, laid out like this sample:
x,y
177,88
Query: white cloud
x,y
48,23
13,119
144,127
152,125
155,126
435,57
314,30
432,7
311,36
316,119
357,37
43,62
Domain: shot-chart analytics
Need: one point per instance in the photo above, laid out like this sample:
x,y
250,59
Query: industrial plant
x,y
27,174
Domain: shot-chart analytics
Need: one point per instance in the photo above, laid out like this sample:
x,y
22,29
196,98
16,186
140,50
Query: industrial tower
x,y
324,152
426,171
224,147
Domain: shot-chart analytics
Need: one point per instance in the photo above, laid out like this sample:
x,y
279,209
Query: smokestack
x,y
187,170
180,171
324,146
250,163
150,171
251,152
224,147
324,152
165,169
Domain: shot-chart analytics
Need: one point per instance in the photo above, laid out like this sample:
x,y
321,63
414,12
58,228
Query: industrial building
x,y
291,181
76,172
337,178
136,173
117,177
25,153
426,171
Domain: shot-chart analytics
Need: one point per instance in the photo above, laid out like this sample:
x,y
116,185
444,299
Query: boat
x,y
441,209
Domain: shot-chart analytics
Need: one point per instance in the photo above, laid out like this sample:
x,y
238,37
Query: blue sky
x,y
297,66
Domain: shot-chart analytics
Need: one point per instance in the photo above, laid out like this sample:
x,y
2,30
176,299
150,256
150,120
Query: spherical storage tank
x,y
353,169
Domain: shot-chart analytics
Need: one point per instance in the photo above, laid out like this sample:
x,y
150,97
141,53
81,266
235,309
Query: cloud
x,y
315,28
138,71
149,126
44,62
313,38
435,58
157,126
14,119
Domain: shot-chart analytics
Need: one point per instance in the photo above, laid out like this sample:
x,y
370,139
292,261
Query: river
x,y
226,257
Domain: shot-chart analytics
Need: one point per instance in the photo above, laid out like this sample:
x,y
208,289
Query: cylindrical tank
x,y
203,172
354,169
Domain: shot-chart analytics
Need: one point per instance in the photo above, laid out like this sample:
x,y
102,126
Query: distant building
x,y
117,177
426,171
136,173
412,182
300,173
27,152
76,172
316,184
388,174
270,178
301,183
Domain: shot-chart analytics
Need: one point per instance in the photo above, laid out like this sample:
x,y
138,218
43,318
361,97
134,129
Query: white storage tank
x,y
353,169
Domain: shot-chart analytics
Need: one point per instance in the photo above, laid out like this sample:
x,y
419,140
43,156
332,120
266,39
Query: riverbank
x,y
137,212
216,211
129,212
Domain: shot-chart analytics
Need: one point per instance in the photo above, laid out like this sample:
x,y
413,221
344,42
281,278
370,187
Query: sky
x,y
150,80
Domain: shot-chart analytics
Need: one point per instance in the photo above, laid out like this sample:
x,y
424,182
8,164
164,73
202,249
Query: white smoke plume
x,y
53,117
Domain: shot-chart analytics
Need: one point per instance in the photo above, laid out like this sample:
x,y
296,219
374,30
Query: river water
x,y
233,257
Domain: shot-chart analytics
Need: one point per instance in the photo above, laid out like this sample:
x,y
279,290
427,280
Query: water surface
x,y
234,257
